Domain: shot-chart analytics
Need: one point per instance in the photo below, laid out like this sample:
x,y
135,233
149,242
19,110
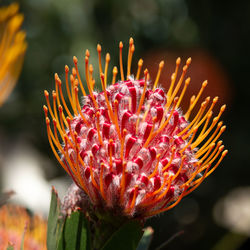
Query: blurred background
x,y
216,34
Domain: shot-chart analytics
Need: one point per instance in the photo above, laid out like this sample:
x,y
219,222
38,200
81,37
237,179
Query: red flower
x,y
130,146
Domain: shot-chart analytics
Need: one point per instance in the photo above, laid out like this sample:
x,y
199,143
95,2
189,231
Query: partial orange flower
x,y
12,48
130,147
16,225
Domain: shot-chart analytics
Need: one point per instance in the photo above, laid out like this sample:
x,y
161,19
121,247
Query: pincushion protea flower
x,y
16,225
12,48
130,148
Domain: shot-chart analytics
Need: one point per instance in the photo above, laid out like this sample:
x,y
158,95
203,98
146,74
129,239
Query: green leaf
x,y
126,237
10,247
146,239
76,233
55,221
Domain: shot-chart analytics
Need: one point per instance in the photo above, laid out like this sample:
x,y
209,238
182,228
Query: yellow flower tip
x,y
16,22
45,109
86,59
205,83
185,68
54,94
107,57
224,153
131,41
66,69
91,68
187,81
87,53
161,64
46,93
189,61
178,61
75,60
215,99
13,8
99,48
120,45
223,108
74,72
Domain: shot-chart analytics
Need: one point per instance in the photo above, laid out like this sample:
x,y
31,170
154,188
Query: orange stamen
x,y
121,64
111,115
156,167
187,81
99,50
130,55
107,60
173,77
115,72
88,82
140,63
75,60
203,86
161,65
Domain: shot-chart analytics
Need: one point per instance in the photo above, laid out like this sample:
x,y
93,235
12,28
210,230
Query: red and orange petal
x,y
16,223
130,145
12,48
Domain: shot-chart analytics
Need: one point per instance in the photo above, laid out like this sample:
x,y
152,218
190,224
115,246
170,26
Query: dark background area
x,y
218,30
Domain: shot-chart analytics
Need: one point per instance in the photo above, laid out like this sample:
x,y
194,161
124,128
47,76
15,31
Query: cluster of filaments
x,y
130,146
12,49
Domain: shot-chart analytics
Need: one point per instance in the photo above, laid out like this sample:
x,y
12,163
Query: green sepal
x,y
75,234
126,237
55,221
146,239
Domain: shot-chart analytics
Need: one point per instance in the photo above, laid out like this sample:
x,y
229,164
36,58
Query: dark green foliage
x,y
55,221
126,237
75,234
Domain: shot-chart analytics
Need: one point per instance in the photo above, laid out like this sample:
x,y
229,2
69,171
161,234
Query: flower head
x,y
12,48
130,148
16,225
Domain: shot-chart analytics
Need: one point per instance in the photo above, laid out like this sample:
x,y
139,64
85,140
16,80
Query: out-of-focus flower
x,y
130,148
17,227
12,48
233,211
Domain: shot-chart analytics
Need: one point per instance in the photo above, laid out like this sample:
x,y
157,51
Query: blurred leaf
x,y
126,237
55,221
146,239
230,241
10,247
76,234
5,196
22,240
